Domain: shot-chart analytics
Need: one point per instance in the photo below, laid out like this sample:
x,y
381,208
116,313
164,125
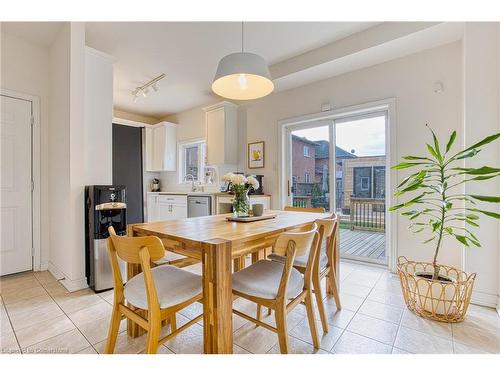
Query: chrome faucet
x,y
193,187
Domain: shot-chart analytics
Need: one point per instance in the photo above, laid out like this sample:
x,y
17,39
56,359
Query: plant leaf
x,y
461,239
413,186
478,171
436,225
451,141
409,213
410,157
396,207
471,223
487,213
468,154
481,178
436,145
486,198
429,240
482,142
404,165
433,152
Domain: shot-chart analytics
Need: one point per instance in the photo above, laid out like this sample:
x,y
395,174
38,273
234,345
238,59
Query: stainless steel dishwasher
x,y
199,206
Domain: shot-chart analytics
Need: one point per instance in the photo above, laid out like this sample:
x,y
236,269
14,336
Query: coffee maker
x,y
260,190
105,206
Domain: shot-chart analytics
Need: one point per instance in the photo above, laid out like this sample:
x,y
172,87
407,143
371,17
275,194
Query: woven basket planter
x,y
441,300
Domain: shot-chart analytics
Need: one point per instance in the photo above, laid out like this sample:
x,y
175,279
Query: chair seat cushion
x,y
173,286
262,279
302,260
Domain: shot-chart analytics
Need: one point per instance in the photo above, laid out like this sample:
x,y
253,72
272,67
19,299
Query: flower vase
x,y
241,201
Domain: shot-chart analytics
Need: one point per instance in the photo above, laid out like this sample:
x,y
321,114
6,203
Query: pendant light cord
x,y
242,39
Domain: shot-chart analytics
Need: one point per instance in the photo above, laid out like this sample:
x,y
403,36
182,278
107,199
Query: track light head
x,y
144,89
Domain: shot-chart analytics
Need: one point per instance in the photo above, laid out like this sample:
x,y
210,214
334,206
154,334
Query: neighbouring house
x,y
361,177
303,160
322,161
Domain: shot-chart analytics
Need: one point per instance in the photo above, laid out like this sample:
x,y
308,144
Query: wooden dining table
x,y
216,242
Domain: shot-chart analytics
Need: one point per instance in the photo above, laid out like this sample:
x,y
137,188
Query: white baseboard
x,y
55,271
74,285
44,266
69,284
485,299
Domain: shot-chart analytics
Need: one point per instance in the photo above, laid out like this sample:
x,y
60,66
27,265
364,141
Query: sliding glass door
x,y
340,165
361,158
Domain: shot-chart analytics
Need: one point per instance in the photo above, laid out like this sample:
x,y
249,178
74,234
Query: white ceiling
x,y
41,33
188,53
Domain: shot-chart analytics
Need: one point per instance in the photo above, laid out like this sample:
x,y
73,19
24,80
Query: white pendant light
x,y
242,76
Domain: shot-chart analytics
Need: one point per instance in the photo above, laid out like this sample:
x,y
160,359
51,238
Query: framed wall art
x,y
256,155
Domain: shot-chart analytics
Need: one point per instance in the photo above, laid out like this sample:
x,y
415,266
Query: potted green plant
x,y
439,209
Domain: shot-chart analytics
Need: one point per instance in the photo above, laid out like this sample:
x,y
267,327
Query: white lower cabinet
x,y
166,207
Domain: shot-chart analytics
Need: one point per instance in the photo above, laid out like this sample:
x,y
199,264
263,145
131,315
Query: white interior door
x,y
15,185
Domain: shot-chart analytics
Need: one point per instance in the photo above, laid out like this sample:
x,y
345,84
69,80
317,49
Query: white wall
x,y
98,117
481,106
59,155
80,140
25,69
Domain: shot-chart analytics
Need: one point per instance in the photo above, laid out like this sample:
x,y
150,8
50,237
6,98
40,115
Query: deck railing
x,y
301,202
367,214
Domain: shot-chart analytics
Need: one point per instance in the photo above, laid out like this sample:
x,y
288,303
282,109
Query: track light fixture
x,y
144,89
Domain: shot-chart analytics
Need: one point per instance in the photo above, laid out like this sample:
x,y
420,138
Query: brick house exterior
x,y
303,167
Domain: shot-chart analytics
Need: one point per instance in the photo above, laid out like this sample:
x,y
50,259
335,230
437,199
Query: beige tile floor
x,y
38,315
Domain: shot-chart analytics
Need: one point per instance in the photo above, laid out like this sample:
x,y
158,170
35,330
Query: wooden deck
x,y
363,245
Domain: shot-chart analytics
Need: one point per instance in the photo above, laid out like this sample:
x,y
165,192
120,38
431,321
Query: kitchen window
x,y
192,161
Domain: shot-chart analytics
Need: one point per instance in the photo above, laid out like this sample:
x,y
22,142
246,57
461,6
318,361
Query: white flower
x,y
253,182
238,179
228,177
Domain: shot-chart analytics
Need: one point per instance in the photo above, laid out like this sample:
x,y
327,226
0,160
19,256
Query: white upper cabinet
x,y
222,133
161,147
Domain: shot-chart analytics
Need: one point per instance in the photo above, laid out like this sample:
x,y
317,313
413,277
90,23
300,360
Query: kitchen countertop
x,y
250,195
181,192
204,193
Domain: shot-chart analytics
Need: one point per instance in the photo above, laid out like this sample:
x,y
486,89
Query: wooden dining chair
x,y
324,265
239,263
279,286
161,291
